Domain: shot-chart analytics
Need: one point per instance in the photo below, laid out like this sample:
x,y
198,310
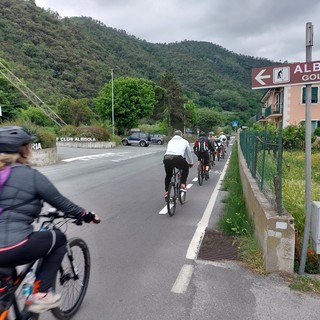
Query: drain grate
x,y
218,246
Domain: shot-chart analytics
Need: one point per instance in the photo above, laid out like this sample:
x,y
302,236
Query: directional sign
x,y
286,75
235,123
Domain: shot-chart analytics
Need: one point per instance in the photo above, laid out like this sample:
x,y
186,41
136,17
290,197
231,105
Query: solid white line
x,y
183,279
203,223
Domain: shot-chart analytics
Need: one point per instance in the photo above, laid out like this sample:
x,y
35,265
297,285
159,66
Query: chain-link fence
x,y
263,153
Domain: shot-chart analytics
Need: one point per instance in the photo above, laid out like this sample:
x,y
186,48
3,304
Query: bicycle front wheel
x,y
72,279
171,200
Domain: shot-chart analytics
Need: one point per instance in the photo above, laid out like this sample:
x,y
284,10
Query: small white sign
x,y
281,75
281,225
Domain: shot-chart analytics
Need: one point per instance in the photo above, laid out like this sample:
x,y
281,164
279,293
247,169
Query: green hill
x,y
74,56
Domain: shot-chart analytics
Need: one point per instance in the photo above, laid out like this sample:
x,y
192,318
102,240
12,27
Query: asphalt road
x,y
143,261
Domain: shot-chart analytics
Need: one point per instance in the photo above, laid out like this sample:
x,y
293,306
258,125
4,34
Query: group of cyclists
x,y
179,155
23,190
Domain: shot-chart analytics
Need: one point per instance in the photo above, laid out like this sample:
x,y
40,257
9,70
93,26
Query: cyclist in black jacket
x,y
203,153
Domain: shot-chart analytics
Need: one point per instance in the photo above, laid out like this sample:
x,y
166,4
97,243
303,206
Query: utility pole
x,y
307,226
112,102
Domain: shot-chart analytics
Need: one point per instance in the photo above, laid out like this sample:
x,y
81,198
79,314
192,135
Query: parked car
x,y
137,138
157,138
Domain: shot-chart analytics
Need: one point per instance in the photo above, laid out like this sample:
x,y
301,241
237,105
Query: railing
x,y
263,153
273,110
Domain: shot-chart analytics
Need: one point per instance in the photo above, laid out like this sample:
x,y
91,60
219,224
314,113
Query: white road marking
x,y
203,223
123,156
132,157
94,156
165,210
183,279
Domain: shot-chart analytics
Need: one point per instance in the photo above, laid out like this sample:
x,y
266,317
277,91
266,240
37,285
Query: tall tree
x,y
207,119
173,102
134,99
75,111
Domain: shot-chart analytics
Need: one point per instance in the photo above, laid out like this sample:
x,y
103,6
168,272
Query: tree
x,y
10,100
191,114
173,102
36,116
134,99
207,119
75,111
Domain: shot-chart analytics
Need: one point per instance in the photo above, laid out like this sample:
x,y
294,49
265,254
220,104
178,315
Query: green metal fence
x,y
263,153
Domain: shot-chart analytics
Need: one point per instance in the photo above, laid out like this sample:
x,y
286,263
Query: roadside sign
x,y
235,123
286,75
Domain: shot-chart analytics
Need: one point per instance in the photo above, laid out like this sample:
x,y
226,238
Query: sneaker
x,y
206,176
44,301
183,188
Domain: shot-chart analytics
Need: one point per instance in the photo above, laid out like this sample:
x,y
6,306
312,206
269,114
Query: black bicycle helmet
x,y
202,134
12,138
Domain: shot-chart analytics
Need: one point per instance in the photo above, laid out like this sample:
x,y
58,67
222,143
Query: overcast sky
x,y
272,29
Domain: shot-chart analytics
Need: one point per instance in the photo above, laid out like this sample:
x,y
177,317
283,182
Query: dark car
x,y
137,138
157,138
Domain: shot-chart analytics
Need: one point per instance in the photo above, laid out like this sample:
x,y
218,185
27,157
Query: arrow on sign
x,y
260,76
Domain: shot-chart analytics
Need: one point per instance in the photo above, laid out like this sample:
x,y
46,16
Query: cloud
x,y
274,29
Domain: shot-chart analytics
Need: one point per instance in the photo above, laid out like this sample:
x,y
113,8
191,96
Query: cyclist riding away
x,y
178,155
223,139
212,140
202,147
22,192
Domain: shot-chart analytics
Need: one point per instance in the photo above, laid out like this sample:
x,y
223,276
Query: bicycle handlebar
x,y
54,213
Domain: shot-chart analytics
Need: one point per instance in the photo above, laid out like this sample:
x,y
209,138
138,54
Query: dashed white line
x,y
165,210
182,282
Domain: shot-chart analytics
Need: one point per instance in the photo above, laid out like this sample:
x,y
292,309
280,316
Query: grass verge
x,y
235,221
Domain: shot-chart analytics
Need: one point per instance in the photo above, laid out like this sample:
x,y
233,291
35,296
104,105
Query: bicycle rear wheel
x,y
182,195
171,200
71,286
200,175
211,160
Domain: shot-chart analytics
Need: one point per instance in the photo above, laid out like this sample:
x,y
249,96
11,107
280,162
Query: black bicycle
x,y
203,174
72,279
174,192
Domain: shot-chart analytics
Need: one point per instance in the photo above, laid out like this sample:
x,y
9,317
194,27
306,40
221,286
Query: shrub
x,y
293,137
98,133
45,136
68,131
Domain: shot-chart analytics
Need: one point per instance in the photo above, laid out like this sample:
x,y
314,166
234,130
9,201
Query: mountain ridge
x,y
60,57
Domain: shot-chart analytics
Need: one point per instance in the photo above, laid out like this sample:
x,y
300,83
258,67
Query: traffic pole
x,y
307,226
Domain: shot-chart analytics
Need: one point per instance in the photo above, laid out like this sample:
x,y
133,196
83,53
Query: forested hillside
x,y
74,56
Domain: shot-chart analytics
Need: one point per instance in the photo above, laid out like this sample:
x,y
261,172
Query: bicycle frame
x,y
9,299
8,294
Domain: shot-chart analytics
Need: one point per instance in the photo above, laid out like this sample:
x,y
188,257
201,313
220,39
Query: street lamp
x,y
112,102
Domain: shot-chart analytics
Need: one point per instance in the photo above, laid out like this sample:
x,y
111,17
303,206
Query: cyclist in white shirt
x,y
178,155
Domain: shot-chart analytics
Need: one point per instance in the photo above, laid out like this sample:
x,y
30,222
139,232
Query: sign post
x,y
307,226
